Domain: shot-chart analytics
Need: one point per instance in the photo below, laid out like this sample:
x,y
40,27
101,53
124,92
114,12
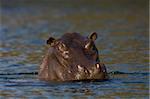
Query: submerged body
x,y
71,58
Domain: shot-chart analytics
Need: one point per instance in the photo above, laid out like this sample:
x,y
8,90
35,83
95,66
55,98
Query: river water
x,y
122,26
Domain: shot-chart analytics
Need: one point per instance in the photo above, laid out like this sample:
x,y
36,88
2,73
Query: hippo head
x,y
72,57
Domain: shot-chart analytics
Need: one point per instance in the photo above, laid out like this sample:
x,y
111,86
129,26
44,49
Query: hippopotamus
x,y
72,57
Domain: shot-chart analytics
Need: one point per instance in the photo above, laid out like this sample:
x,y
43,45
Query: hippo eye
x,y
64,50
62,47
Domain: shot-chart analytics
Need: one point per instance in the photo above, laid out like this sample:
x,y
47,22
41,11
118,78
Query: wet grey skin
x,y
72,57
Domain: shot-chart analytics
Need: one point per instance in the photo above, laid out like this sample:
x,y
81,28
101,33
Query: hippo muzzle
x,y
71,58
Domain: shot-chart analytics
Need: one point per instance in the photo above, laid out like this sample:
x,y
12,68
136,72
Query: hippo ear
x,y
93,36
50,41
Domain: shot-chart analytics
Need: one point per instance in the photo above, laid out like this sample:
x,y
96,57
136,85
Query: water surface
x,y
122,26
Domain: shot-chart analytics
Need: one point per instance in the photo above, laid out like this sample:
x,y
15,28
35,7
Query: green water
x,y
122,26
